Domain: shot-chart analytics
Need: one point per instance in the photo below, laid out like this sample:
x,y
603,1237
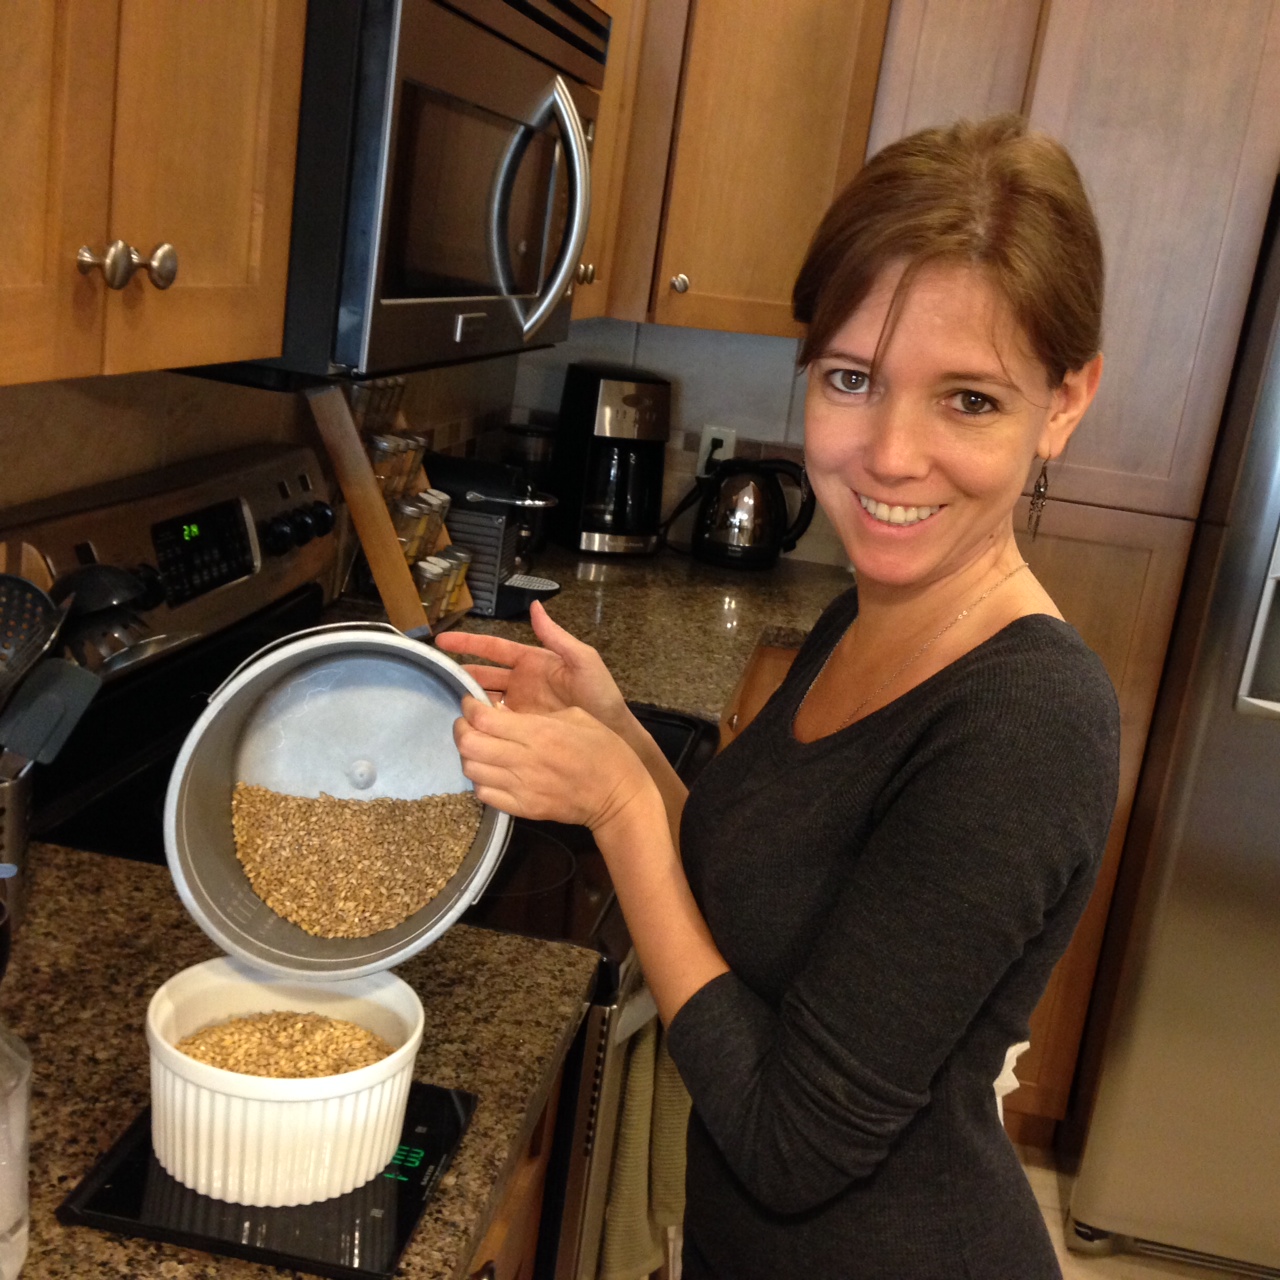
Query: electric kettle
x,y
742,519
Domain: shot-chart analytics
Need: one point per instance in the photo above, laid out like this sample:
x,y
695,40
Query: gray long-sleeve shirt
x,y
891,900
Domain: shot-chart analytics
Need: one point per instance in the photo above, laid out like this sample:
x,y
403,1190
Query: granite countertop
x,y
675,632
101,934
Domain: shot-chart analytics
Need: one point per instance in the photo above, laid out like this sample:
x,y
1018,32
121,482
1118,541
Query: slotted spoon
x,y
29,621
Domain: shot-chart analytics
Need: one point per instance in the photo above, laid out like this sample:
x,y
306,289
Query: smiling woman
x,y
847,923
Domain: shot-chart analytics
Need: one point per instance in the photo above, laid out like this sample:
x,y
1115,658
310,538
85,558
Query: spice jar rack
x,y
378,462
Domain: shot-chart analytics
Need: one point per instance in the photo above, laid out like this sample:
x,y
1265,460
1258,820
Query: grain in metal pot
x,y
286,1045
350,868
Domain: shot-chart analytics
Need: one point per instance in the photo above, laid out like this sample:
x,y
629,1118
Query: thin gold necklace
x,y
924,648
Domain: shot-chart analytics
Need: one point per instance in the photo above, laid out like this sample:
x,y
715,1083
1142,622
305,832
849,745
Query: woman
x,y
849,922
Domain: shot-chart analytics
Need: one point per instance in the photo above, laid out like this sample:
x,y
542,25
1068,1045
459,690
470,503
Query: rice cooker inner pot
x,y
353,711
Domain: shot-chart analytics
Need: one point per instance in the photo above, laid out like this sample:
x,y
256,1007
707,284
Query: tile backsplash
x,y
60,436
745,382
56,437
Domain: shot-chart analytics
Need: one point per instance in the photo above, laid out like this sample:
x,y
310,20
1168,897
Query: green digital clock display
x,y
404,1158
190,532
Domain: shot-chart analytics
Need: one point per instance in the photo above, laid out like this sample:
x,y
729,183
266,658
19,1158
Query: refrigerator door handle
x,y
1251,697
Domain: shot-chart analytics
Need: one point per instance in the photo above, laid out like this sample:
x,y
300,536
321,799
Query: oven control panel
x,y
199,551
214,539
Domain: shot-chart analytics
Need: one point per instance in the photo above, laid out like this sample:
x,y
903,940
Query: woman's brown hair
x,y
988,193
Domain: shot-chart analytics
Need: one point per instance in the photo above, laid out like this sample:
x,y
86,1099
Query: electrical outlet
x,y
726,437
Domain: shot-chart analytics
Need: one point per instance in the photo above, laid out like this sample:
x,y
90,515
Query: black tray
x,y
358,1236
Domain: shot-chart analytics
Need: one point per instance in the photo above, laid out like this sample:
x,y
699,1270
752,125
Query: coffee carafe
x,y
609,459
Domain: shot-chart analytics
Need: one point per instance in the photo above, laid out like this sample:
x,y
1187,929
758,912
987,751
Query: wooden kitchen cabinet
x,y
1172,113
775,107
745,118
510,1245
1116,577
609,154
948,60
57,81
148,121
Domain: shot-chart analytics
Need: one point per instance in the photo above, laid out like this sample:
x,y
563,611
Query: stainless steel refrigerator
x,y
1183,1148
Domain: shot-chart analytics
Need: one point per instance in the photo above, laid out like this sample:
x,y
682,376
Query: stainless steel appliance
x,y
1182,1154
609,457
742,520
233,550
443,180
491,506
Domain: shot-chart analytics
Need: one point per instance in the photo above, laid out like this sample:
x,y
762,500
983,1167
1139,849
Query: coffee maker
x,y
608,462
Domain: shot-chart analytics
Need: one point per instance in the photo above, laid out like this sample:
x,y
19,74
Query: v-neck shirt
x,y
891,899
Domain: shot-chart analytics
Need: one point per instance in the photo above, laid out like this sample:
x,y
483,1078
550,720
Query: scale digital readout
x,y
359,1236
203,550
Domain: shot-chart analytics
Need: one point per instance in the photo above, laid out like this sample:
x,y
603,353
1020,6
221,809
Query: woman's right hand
x,y
564,672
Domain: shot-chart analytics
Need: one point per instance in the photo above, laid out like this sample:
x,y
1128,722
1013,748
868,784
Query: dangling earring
x,y
1039,496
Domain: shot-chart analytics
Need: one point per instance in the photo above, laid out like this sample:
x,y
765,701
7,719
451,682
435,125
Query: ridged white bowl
x,y
256,1140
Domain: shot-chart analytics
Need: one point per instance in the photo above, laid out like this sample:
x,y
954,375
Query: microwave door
x,y
564,207
454,267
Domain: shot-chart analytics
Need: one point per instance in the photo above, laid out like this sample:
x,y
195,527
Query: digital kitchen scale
x,y
358,1236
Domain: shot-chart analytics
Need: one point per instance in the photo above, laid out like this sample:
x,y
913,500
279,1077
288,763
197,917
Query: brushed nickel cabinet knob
x,y
121,260
162,266
117,264
680,283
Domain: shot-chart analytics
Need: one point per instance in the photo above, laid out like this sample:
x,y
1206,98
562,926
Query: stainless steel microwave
x,y
443,180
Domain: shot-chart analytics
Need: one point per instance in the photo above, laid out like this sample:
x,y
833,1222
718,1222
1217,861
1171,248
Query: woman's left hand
x,y
563,766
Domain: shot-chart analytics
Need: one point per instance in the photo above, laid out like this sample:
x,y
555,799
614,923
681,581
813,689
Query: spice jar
x,y
384,455
429,579
409,517
416,447
461,561
431,500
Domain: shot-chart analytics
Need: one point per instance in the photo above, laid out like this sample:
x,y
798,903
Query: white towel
x,y
1006,1081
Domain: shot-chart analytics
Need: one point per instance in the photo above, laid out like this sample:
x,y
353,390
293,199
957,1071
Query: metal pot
x,y
358,711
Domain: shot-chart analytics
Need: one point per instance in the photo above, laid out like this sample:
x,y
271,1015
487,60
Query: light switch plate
x,y
727,437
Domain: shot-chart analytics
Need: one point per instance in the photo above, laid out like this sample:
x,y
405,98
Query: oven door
x,y
471,193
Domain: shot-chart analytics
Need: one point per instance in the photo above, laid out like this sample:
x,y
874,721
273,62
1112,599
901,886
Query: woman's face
x,y
919,470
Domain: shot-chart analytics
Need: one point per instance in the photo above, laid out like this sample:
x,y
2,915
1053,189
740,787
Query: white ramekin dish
x,y
256,1140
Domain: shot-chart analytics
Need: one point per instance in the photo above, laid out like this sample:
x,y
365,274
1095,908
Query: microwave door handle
x,y
579,170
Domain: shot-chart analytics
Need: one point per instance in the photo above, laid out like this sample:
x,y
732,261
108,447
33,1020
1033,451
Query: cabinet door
x,y
948,60
56,86
206,129
775,107
510,1245
1116,576
609,154
1171,109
